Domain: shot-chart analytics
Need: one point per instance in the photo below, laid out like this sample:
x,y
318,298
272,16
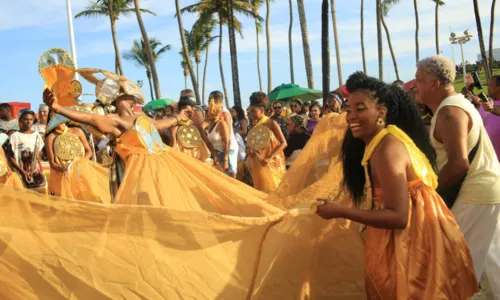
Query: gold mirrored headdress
x,y
58,70
112,86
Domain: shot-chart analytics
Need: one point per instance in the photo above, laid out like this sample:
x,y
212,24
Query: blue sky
x,y
30,27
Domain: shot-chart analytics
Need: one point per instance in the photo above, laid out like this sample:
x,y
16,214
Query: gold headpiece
x,y
112,86
58,70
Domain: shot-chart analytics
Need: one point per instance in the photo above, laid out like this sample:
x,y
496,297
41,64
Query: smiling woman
x,y
388,169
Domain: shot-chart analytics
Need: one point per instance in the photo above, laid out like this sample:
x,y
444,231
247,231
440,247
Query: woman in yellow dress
x,y
265,145
8,177
414,249
72,174
190,137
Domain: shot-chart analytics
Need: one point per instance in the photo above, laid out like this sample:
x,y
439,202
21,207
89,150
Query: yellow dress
x,y
84,180
429,259
214,238
267,178
10,180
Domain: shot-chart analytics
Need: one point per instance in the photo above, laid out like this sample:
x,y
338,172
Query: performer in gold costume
x,y
265,145
188,137
414,248
8,177
72,174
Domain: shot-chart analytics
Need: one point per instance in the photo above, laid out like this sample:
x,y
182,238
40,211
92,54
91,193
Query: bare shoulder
x,y
452,114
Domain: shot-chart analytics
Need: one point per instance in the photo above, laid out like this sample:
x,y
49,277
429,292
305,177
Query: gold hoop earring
x,y
381,122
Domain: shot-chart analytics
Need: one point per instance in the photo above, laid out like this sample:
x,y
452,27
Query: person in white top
x,y
7,121
457,131
43,115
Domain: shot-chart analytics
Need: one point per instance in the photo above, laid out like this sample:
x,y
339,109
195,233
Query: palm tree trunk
x,y
269,50
336,39
198,74
186,52
234,56
363,35
379,41
185,82
224,87
118,60
258,55
205,75
325,51
492,29
390,46
149,51
148,75
417,28
290,49
437,27
481,41
305,44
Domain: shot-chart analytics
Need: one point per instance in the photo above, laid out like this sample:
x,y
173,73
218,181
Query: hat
x,y
112,86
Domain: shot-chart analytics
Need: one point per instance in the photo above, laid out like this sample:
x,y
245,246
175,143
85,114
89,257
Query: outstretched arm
x,y
103,124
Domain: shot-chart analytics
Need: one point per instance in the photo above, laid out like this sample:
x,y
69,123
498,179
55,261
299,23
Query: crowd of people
x,y
420,166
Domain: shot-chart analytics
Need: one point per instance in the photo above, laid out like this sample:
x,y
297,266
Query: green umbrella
x,y
157,104
292,91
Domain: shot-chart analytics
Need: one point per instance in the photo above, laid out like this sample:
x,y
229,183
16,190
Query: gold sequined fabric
x,y
67,147
189,136
258,137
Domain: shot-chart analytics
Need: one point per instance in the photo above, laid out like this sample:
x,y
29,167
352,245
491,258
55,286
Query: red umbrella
x,y
410,84
343,90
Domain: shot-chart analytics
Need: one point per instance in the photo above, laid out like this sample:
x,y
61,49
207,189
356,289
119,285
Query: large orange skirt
x,y
427,260
85,180
12,180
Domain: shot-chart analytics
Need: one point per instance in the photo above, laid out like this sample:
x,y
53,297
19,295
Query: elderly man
x,y
43,115
464,150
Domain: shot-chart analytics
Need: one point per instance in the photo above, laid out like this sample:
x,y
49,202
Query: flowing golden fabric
x,y
10,180
199,152
429,259
85,180
214,238
267,178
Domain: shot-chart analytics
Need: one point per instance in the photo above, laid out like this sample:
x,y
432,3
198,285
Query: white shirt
x,y
482,184
22,141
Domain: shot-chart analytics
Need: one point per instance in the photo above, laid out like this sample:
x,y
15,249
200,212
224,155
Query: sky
x,y
28,28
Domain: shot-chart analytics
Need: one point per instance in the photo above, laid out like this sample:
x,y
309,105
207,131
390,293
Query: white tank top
x,y
216,139
482,184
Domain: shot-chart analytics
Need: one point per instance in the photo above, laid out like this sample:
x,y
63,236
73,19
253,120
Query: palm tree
x,y
186,51
481,40
205,27
336,38
305,43
363,35
325,50
256,4
492,29
219,9
386,6
185,68
290,49
149,50
269,50
234,55
438,3
112,9
138,55
379,41
417,27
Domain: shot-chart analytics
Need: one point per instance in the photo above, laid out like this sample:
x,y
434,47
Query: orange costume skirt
x,y
429,259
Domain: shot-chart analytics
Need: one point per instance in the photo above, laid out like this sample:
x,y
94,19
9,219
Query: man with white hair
x,y
43,115
467,163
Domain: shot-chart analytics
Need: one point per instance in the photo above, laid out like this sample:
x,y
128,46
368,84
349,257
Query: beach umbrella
x,y
157,104
292,91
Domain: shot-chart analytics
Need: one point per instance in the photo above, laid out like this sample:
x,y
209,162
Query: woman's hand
x,y
50,99
225,165
27,176
266,161
329,209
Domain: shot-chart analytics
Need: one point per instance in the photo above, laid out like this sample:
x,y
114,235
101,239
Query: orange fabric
x,y
267,178
85,180
13,179
427,260
200,153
